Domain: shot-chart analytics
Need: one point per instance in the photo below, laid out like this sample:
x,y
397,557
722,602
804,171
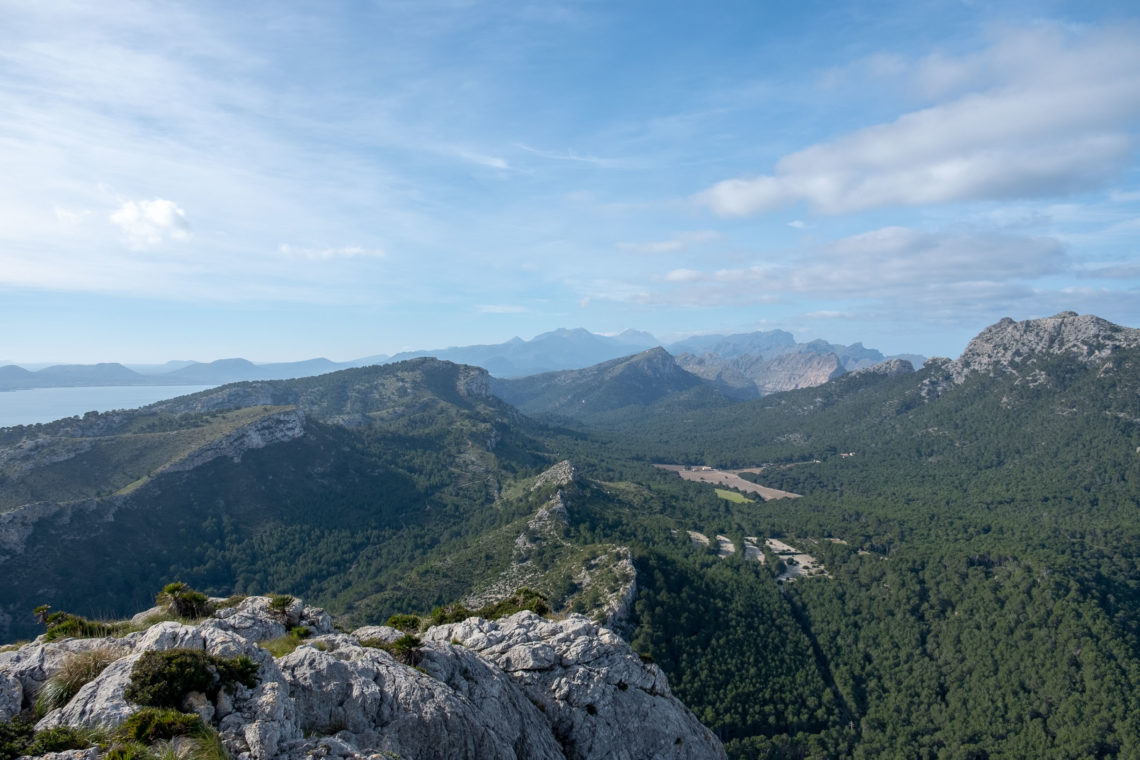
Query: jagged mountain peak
x,y
1006,343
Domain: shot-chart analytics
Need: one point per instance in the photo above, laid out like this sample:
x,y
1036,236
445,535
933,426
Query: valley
x,y
966,585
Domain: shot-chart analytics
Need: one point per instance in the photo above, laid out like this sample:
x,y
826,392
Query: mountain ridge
x,y
561,349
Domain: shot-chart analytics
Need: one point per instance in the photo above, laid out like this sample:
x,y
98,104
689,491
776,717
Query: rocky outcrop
x,y
888,368
750,375
599,699
1009,345
561,474
520,687
264,431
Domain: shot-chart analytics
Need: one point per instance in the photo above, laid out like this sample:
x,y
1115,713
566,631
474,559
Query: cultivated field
x,y
728,479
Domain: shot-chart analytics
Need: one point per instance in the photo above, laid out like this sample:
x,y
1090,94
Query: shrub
x,y
184,601
523,599
405,623
76,670
162,679
62,625
61,739
451,613
404,649
279,604
153,724
15,736
130,751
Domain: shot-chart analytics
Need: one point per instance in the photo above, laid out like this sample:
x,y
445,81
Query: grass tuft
x,y
74,673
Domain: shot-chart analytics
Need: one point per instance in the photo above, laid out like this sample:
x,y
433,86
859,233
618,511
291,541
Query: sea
x,y
34,405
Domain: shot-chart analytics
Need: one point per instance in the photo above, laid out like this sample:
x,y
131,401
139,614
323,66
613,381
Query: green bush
x,y
406,623
404,649
153,724
60,739
184,601
162,679
130,751
15,736
279,604
523,599
451,613
74,672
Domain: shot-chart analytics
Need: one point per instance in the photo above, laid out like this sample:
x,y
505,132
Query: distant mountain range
x,y
743,365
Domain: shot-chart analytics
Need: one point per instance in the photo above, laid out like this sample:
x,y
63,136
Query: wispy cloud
x,y
896,263
324,254
574,157
1054,116
680,242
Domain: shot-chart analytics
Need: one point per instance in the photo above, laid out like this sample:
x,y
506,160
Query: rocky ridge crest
x,y
518,687
1004,346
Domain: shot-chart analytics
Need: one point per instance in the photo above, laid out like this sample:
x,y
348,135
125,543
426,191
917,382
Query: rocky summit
x,y
519,687
1001,346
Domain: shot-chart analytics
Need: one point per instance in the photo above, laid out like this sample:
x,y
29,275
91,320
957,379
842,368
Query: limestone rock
x,y
262,432
591,687
522,687
100,703
11,696
33,663
889,368
389,707
1002,347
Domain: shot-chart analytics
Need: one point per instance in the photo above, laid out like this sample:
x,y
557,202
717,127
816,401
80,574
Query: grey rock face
x,y
11,696
32,664
890,368
750,375
100,703
522,687
262,432
600,699
1003,346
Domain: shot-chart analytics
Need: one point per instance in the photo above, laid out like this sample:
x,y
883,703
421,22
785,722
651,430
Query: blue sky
x,y
286,180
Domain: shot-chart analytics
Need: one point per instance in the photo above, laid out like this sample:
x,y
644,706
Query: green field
x,y
733,496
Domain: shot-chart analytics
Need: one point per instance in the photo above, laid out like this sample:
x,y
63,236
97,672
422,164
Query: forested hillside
x,y
958,579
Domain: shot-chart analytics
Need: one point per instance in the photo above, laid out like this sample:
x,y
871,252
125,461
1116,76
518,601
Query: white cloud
x,y
897,263
151,223
1042,116
325,254
678,243
797,224
71,217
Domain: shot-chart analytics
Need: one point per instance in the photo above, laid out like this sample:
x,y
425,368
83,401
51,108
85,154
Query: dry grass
x,y
77,670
